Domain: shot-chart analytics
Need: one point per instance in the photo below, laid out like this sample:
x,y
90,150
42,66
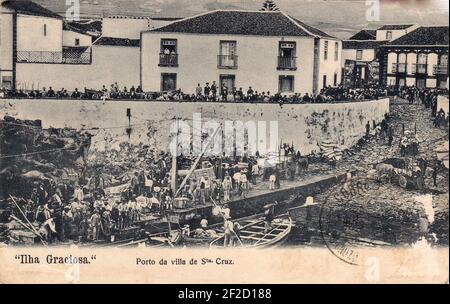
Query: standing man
x,y
95,221
224,92
435,174
268,217
198,92
226,185
214,90
390,135
207,91
229,232
255,172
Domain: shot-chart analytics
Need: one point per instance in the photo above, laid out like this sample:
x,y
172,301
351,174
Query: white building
x,y
28,32
360,58
33,36
130,27
393,31
73,37
113,60
269,51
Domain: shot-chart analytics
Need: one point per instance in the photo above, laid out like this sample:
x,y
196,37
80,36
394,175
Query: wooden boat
x,y
158,240
192,240
253,234
161,240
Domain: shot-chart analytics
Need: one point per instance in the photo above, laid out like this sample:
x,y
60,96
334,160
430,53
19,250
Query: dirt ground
x,y
385,212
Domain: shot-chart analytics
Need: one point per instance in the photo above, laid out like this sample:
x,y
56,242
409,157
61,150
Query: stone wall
x,y
303,125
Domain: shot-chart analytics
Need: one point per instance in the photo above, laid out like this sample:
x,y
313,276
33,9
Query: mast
x,y
183,183
174,163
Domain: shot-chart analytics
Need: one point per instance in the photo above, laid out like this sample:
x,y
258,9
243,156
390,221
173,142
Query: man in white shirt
x,y
78,193
237,179
255,173
226,185
229,233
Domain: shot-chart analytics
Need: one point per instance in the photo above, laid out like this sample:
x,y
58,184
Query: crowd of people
x,y
429,99
88,209
207,93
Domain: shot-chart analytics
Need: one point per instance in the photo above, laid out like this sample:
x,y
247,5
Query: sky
x,y
341,18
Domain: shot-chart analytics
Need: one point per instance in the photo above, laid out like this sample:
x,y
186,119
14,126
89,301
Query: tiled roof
x,y
117,42
29,8
395,26
254,23
425,35
70,27
361,44
364,35
312,29
93,27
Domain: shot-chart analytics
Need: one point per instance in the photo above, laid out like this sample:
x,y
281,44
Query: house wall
x,y
330,66
197,58
30,34
128,27
70,36
6,44
304,125
381,34
350,54
109,64
411,60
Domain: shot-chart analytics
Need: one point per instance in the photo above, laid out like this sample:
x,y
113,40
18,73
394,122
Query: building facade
x,y
361,53
419,58
34,36
391,32
268,51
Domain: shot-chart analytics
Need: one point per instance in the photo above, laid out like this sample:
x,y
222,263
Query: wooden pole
x,y
196,162
25,217
174,163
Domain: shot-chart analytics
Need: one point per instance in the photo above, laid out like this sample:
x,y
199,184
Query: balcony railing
x,y
419,68
168,60
227,61
65,57
440,69
287,63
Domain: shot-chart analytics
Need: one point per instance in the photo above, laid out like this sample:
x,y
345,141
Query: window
x,y
325,51
388,35
45,30
227,54
444,60
359,54
168,82
168,46
77,41
422,63
6,82
287,56
336,51
335,80
402,63
286,84
168,55
324,81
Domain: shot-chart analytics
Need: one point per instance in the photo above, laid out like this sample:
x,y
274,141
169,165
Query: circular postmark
x,y
337,220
